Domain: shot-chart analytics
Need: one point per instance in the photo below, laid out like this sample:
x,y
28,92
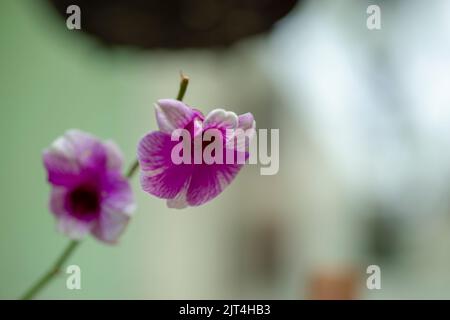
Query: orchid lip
x,y
84,202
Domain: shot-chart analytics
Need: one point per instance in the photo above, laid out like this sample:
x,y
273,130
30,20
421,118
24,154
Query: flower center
x,y
84,202
204,143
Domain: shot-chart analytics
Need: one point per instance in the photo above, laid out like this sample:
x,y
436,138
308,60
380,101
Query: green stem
x,y
132,170
183,86
45,279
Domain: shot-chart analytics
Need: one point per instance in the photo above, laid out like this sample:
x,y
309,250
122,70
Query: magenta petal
x,y
246,121
117,209
71,154
62,171
172,114
159,175
208,181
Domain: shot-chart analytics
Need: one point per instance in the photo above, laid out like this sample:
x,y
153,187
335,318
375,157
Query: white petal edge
x,y
221,118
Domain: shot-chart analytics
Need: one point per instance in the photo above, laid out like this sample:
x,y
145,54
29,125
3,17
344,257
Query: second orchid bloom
x,y
89,193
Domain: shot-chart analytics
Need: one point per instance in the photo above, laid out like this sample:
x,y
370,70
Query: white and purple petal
x,y
180,200
72,153
57,202
117,208
221,119
208,181
72,227
245,133
173,114
159,175
246,121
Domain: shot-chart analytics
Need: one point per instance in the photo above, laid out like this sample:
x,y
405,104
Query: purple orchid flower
x,y
188,184
89,193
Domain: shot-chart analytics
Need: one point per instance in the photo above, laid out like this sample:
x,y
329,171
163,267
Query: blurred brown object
x,y
175,24
333,284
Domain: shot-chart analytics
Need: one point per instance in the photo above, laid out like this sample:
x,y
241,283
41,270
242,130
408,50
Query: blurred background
x,y
364,119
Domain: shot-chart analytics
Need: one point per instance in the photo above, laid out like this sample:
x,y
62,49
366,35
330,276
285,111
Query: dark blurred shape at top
x,y
175,23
